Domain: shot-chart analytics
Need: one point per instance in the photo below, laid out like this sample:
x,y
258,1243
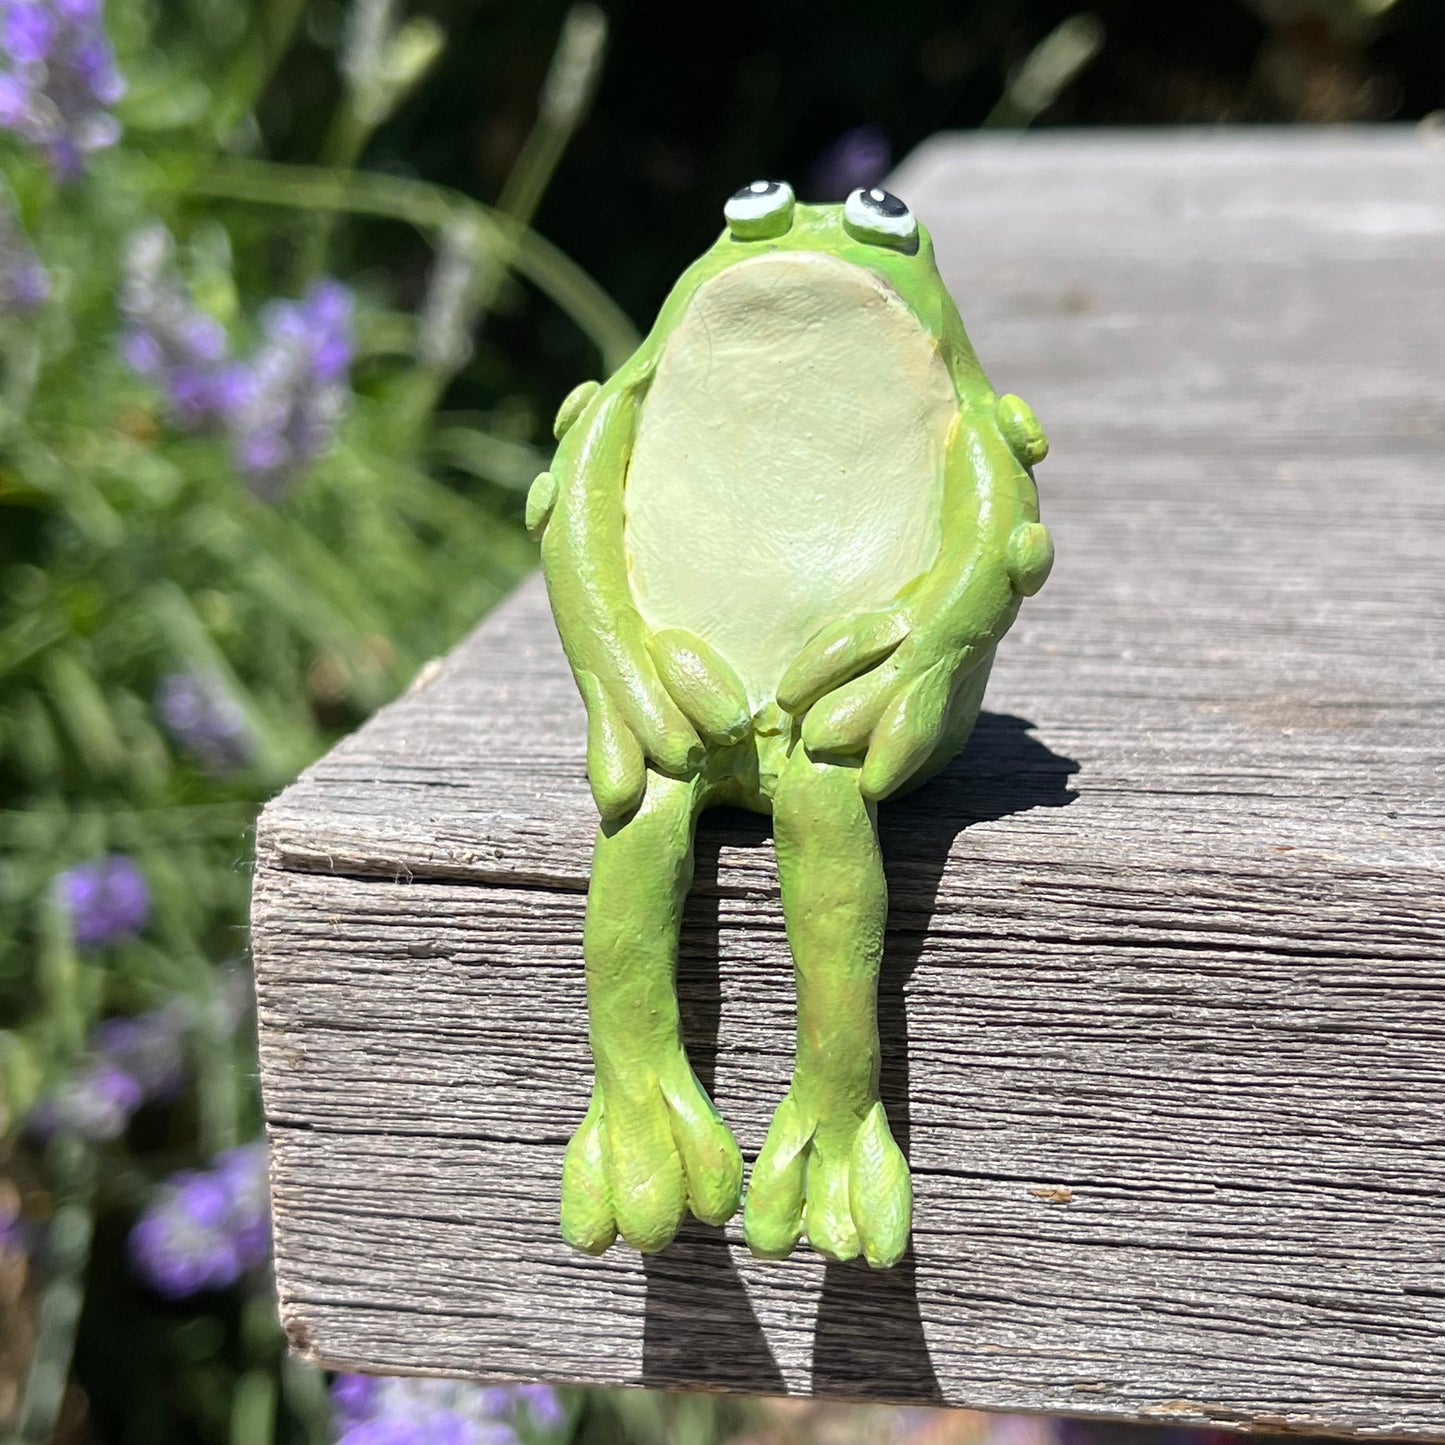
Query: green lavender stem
x,y
1048,69
253,1407
272,35
565,97
429,207
59,977
72,1167
345,141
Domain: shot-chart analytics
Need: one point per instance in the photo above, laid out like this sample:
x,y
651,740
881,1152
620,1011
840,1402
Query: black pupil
x,y
885,203
753,191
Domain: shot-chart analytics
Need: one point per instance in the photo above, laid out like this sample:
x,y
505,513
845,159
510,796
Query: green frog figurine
x,y
781,543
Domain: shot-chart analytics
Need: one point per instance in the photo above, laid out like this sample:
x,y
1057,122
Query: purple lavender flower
x,y
17,1234
858,157
281,409
289,400
58,79
440,1412
96,1102
353,1399
148,1047
541,1405
130,1061
392,1430
200,714
206,1227
168,339
24,282
107,900
241,1173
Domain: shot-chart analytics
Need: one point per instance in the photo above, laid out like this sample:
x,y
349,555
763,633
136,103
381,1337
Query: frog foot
x,y
641,1159
846,1185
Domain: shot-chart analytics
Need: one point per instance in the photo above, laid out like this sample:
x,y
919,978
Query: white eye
x,y
764,208
875,215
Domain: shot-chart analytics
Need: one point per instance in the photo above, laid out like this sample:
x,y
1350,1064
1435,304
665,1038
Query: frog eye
x,y
876,215
764,208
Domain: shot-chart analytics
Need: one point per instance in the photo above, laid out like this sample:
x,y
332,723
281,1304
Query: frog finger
x,y
907,734
836,654
702,684
541,503
1021,429
573,405
615,765
1030,557
656,721
844,721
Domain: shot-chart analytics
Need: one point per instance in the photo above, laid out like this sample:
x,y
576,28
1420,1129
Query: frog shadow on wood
x,y
1004,770
781,544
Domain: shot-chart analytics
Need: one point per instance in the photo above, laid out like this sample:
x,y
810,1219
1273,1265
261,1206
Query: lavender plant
x,y
285,406
24,281
168,338
104,901
60,80
228,529
204,721
370,1411
206,1227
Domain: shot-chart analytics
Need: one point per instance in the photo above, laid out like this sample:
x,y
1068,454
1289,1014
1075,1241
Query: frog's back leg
x,y
830,1166
651,1146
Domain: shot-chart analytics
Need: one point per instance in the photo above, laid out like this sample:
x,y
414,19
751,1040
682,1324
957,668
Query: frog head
x,y
872,230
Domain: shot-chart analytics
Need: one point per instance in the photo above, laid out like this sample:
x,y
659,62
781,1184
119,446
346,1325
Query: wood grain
x,y
1164,1006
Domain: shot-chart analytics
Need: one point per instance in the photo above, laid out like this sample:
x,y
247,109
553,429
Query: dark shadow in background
x,y
868,1339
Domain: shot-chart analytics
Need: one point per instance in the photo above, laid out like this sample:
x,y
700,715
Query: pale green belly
x,y
788,468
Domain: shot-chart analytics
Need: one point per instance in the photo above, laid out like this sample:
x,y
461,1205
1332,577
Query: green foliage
x,y
133,551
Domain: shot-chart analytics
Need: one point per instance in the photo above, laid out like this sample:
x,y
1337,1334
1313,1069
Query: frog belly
x,y
788,466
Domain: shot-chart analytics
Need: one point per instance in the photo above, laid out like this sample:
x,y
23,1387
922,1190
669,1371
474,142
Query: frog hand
x,y
894,716
702,684
631,721
838,653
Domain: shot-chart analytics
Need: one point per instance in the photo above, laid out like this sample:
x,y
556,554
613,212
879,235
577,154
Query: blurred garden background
x,y
280,343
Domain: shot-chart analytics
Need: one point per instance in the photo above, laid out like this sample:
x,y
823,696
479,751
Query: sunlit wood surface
x,y
1164,1008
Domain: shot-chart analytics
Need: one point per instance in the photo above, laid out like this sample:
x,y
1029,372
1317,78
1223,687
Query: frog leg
x,y
830,1166
651,1146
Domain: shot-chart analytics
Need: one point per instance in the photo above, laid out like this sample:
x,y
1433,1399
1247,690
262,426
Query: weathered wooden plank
x,y
1165,996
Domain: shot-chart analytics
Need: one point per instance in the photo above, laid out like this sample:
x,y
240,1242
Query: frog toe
x,y
711,1160
588,1220
827,1217
880,1192
541,503
573,405
701,682
645,1171
773,1212
1021,430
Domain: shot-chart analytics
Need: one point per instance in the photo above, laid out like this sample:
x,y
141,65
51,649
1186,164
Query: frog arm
x,y
895,673
994,550
576,507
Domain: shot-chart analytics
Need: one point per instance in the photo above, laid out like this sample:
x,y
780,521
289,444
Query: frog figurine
x,y
781,543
